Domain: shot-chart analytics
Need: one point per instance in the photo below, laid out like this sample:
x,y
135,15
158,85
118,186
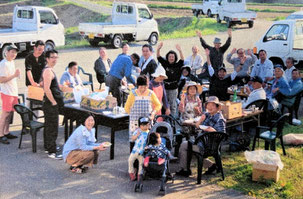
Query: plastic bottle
x,y
235,96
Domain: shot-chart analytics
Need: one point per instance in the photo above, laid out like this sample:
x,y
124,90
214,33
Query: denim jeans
x,y
51,122
172,100
114,85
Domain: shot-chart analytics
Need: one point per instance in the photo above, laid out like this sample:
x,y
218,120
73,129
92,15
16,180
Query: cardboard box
x,y
263,172
36,93
68,97
231,110
98,105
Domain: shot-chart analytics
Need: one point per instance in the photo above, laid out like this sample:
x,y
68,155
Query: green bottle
x,y
235,96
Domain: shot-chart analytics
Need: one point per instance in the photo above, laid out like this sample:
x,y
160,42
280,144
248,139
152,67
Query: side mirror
x,y
57,21
151,15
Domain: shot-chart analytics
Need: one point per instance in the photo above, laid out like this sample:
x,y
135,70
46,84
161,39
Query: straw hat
x,y
192,83
160,71
213,99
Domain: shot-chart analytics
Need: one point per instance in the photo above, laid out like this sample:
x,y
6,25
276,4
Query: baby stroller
x,y
154,170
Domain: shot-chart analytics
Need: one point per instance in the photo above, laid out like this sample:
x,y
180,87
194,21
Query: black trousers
x,y
114,85
51,123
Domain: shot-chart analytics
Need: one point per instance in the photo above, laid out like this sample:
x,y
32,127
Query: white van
x,y
130,21
282,40
32,23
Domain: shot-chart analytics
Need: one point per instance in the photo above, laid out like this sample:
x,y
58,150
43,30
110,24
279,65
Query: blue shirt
x,y
296,86
140,142
216,121
122,66
81,139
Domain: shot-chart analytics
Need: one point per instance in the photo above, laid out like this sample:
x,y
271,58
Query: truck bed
x,y
197,6
240,15
14,36
106,28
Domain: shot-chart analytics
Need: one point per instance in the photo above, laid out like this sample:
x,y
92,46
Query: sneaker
x,y
10,136
58,149
4,140
55,156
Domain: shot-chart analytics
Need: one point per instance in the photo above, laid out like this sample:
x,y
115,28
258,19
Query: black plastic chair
x,y
28,125
262,104
270,136
90,77
211,142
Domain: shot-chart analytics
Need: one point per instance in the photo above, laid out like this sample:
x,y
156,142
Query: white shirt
x,y
194,62
7,68
254,96
73,81
263,70
287,73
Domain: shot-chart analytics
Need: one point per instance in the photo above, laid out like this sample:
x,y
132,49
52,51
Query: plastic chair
x,y
295,106
211,142
28,126
270,136
90,77
262,104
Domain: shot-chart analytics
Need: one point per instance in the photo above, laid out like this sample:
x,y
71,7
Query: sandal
x,y
76,169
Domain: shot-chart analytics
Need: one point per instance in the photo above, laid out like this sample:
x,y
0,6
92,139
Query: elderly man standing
x,y
216,52
242,60
149,65
70,77
102,65
194,61
9,92
263,67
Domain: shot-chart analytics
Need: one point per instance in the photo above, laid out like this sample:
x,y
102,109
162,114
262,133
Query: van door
x,y
145,24
277,40
25,20
49,27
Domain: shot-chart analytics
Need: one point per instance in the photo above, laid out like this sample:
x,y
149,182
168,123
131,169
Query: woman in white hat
x,y
157,86
213,121
190,105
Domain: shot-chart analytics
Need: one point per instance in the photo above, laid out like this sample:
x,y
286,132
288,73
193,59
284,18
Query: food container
x,y
231,110
106,104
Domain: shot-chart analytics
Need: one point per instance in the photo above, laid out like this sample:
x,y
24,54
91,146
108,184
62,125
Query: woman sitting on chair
x,y
80,151
212,121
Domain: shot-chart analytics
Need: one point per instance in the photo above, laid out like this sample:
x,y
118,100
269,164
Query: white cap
x,y
160,71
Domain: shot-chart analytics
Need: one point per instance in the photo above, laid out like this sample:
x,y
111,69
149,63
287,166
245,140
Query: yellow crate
x,y
98,105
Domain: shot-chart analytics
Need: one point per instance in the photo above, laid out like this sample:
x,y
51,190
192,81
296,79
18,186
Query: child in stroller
x,y
156,160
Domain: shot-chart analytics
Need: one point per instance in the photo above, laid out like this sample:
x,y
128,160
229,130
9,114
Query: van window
x,y
124,9
47,17
118,8
143,13
25,14
277,32
298,39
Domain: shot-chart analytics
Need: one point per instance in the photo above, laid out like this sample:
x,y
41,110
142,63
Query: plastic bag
x,y
264,157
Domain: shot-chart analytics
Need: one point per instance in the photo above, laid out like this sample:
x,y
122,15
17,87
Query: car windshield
x,y
295,16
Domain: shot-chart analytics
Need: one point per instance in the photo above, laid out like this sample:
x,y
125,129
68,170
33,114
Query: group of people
x,y
170,86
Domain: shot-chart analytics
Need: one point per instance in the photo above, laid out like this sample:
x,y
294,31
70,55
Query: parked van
x,y
130,21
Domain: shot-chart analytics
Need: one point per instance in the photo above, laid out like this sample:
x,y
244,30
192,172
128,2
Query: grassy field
x,y
173,29
271,10
238,173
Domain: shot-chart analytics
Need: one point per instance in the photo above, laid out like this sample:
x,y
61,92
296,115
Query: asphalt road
x,y
27,175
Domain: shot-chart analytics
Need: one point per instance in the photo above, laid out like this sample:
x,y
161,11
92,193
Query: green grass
x,y
238,172
174,29
271,10
49,3
278,18
169,6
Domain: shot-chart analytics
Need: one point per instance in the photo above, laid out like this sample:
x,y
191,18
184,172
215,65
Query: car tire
x,y
153,39
3,51
229,23
93,43
209,14
218,19
49,45
250,24
117,41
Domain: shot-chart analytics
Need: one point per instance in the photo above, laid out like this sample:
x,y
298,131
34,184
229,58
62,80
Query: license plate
x,y
243,20
91,36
